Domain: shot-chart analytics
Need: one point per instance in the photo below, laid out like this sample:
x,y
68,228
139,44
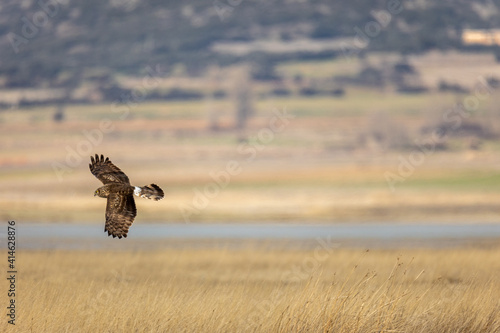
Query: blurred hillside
x,y
59,42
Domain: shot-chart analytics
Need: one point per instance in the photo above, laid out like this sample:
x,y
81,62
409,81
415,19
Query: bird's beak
x,y
95,194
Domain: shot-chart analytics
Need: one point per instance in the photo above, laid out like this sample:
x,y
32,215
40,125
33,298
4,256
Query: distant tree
x,y
73,83
451,87
264,69
496,52
212,91
309,91
59,114
242,96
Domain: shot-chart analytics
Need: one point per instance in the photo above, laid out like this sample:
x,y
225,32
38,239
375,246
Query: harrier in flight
x,y
120,208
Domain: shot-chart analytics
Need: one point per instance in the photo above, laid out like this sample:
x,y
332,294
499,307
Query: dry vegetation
x,y
256,289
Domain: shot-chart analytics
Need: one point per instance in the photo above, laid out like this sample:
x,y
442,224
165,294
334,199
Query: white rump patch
x,y
137,190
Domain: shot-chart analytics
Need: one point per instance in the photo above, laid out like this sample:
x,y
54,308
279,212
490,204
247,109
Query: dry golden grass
x,y
256,289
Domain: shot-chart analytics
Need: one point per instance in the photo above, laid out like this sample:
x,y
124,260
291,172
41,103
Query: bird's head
x,y
102,192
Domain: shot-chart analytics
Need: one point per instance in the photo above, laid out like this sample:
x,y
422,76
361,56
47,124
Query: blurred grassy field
x,y
313,170
323,165
250,289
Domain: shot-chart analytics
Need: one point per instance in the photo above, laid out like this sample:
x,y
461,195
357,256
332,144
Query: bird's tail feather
x,y
151,191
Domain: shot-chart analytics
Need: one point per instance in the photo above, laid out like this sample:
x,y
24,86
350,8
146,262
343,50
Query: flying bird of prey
x,y
120,208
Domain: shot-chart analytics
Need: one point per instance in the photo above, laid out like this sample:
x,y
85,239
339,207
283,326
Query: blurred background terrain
x,y
255,111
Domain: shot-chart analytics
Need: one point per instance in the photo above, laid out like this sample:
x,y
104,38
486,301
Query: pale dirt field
x,y
455,67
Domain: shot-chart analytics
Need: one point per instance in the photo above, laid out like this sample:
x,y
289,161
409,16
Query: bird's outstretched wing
x,y
120,214
106,171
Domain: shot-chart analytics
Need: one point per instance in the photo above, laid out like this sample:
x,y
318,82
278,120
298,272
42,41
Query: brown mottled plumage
x,y
120,207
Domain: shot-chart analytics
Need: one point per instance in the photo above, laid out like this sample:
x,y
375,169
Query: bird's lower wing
x,y
120,214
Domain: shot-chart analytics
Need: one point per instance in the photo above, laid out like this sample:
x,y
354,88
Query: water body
x,y
40,236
